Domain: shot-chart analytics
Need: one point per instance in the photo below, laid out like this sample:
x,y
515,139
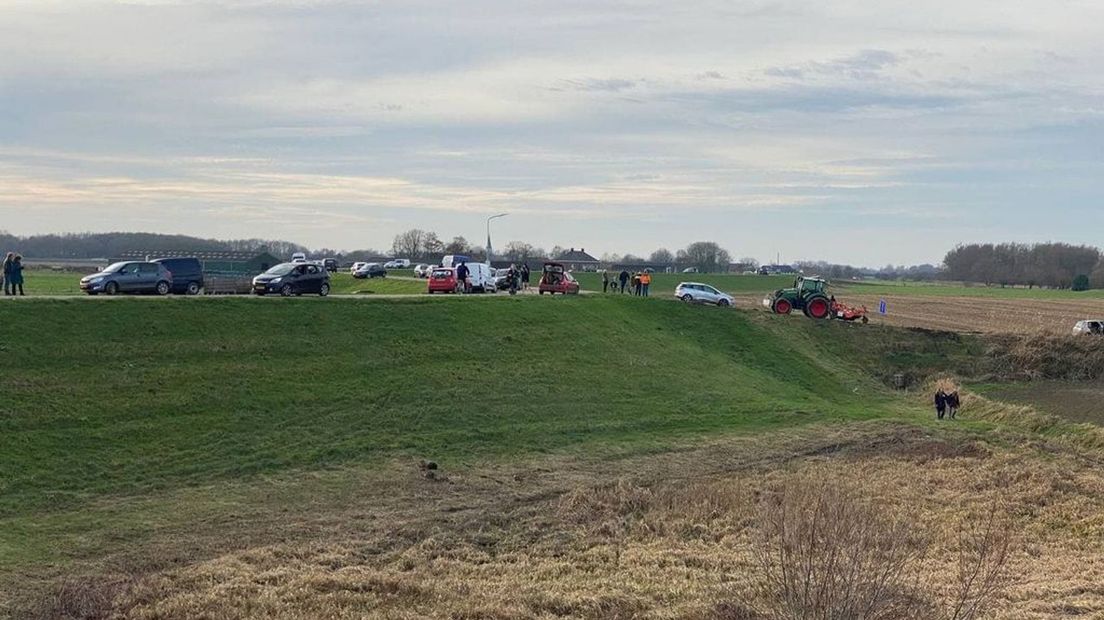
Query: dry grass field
x,y
674,535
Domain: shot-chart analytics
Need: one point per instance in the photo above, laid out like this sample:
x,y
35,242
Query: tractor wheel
x,y
782,306
818,308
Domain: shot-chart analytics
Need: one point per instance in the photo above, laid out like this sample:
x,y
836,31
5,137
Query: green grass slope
x,y
108,404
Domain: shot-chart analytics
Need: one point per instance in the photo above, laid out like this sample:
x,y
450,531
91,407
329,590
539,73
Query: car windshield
x,y
281,270
113,267
442,273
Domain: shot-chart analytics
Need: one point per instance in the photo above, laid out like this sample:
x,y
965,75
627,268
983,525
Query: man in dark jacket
x,y
524,276
623,278
940,403
953,402
462,276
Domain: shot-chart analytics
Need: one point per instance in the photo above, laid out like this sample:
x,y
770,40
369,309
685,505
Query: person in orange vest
x,y
645,281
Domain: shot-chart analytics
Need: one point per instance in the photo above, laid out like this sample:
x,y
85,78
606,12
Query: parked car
x,y
186,273
330,264
480,278
370,270
690,270
129,277
442,280
397,263
697,292
555,278
356,266
502,279
1092,327
299,257
290,279
422,270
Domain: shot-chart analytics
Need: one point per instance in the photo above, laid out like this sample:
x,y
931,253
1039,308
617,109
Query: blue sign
x,y
883,309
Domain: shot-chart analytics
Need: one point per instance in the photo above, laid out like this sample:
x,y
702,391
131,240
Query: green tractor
x,y
810,295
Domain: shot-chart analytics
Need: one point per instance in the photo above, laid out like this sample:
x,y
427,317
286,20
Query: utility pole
x,y
490,253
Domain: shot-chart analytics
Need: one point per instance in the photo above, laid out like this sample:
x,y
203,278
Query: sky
x,y
850,131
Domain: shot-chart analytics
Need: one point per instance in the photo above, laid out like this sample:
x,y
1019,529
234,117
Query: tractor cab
x,y
810,286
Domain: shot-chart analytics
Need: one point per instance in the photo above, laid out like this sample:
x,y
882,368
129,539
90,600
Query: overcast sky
x,y
850,130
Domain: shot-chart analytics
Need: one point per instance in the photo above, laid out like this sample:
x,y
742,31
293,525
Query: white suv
x,y
703,293
398,263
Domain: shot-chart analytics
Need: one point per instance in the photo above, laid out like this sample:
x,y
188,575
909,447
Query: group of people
x,y
13,274
640,282
518,277
946,403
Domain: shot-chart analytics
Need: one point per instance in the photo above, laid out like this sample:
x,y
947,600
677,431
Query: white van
x,y
299,257
479,274
454,260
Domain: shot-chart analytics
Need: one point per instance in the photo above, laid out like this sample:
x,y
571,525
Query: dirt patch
x,y
658,536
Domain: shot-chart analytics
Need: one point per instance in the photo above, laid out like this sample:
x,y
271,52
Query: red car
x,y
556,279
442,280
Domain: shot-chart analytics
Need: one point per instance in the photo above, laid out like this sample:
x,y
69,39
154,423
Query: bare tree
x,y
662,256
458,245
410,243
707,256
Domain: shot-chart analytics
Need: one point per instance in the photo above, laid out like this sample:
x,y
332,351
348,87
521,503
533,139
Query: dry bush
x,y
1043,356
824,552
982,567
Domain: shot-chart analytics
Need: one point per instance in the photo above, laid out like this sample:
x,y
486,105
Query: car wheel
x,y
325,290
193,288
162,288
723,303
687,298
285,290
111,288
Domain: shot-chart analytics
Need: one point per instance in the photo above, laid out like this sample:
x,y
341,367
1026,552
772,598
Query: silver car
x,y
696,292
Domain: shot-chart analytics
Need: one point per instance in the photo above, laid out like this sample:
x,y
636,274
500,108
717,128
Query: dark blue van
x,y
187,274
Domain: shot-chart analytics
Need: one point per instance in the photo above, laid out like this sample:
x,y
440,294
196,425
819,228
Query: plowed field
x,y
974,314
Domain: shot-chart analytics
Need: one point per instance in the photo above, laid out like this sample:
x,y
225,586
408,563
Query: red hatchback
x,y
442,280
556,279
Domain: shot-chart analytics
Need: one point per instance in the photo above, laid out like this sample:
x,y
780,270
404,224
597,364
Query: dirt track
x,y
974,314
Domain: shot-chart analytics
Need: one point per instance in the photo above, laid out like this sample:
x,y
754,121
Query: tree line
x,y
1051,265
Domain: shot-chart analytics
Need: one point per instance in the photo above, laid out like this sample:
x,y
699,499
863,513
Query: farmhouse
x,y
219,262
578,260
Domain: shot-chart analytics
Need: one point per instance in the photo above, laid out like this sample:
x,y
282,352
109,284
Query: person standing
x,y
940,403
645,283
525,276
953,402
623,278
636,285
16,274
462,277
605,281
8,260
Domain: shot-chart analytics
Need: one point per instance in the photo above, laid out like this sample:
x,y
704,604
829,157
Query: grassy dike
x,y
114,412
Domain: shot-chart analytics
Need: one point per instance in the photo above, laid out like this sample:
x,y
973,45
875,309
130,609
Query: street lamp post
x,y
490,254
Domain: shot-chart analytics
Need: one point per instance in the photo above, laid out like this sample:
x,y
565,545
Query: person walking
x,y
16,275
525,276
8,260
645,283
462,277
623,278
940,403
636,284
953,402
605,281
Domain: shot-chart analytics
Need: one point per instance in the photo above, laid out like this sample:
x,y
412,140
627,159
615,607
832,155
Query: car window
x,y
147,268
129,268
281,270
312,269
710,289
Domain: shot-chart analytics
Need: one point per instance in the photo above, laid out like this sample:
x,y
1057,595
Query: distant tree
x,y
557,251
631,258
1046,264
519,251
458,245
749,263
662,256
410,243
706,256
611,258
431,245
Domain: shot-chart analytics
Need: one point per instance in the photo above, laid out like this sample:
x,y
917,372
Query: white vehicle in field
x,y
696,292
299,257
422,270
357,266
1090,327
397,263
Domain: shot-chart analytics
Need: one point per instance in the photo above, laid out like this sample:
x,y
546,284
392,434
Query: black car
x,y
370,270
330,264
187,274
290,279
129,277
